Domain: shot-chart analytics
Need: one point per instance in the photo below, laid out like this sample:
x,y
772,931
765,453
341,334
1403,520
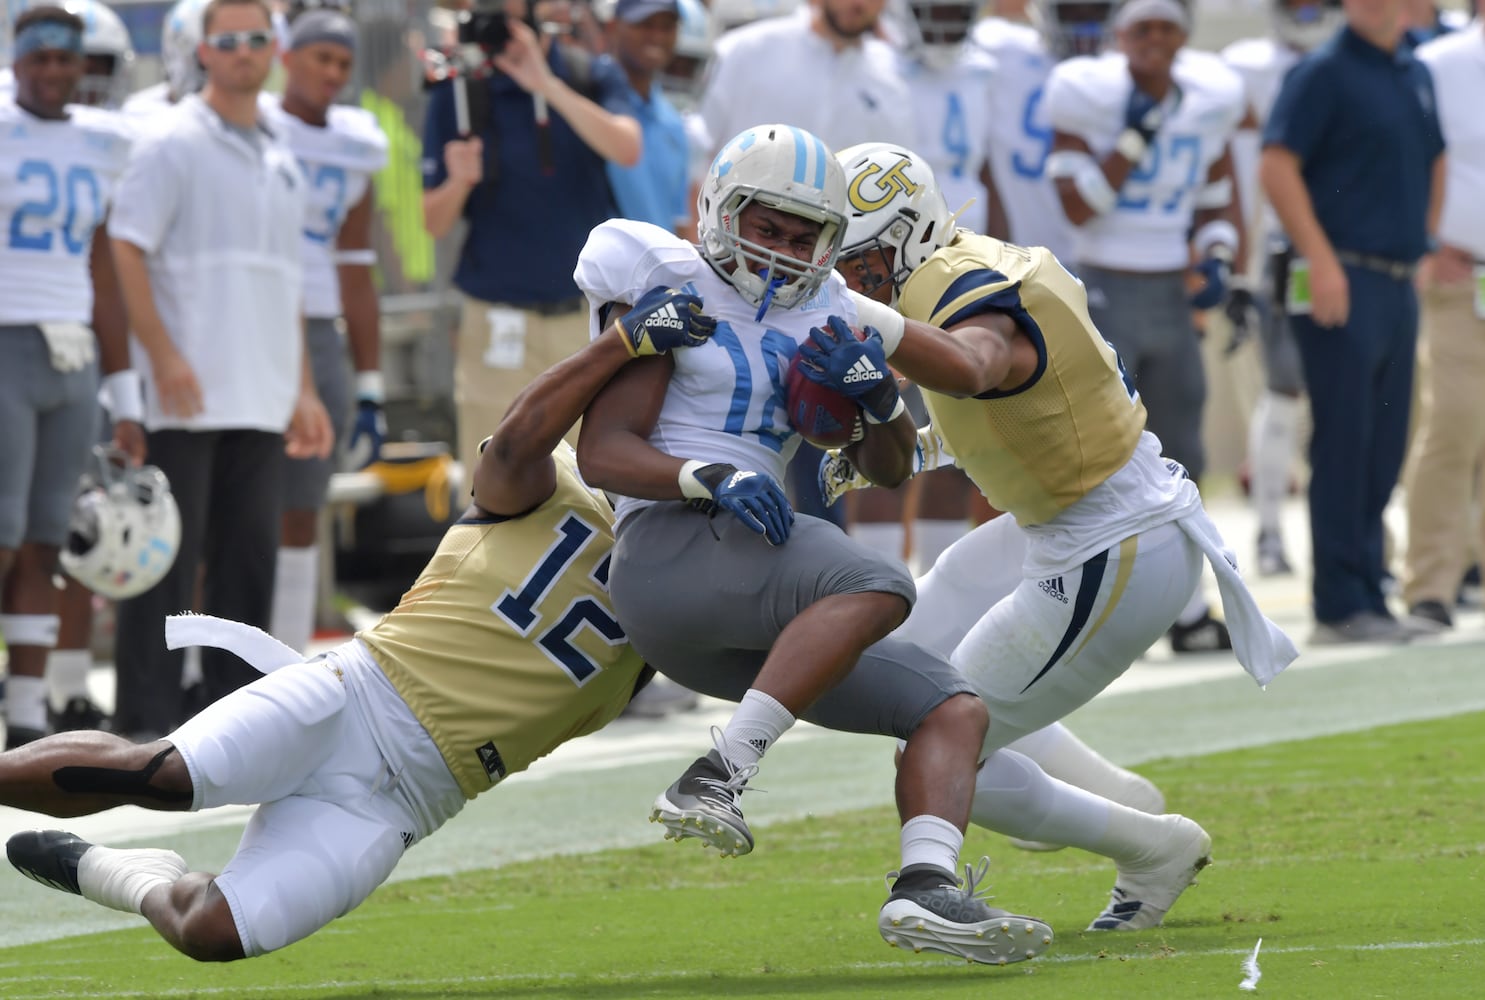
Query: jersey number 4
x,y
518,607
33,226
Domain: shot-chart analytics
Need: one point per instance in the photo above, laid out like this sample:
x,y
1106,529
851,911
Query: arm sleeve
x,y
439,129
148,195
1302,110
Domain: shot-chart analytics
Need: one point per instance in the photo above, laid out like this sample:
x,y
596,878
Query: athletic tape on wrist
x,y
122,395
1094,188
886,320
897,411
691,487
371,386
1132,146
355,258
31,630
1218,232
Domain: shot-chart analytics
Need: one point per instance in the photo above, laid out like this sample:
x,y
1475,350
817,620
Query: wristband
x,y
122,395
887,321
371,387
693,488
897,411
355,258
1218,232
1131,145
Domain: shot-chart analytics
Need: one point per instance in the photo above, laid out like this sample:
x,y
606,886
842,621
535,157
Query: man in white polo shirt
x,y
1443,471
206,241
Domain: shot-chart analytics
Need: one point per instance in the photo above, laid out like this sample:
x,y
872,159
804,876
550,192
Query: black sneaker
x,y
1205,635
49,857
705,803
928,910
79,713
1427,617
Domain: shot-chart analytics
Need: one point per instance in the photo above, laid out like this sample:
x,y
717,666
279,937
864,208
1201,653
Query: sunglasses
x,y
231,41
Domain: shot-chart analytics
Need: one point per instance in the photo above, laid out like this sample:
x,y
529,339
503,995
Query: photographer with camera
x,y
515,141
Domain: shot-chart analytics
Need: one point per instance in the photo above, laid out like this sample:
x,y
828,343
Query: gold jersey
x,y
507,645
1037,449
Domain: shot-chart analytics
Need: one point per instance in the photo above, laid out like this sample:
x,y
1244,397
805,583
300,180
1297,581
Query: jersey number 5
x,y
518,607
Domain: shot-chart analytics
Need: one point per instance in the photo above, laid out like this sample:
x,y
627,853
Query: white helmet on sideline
x,y
104,37
894,202
125,527
785,168
179,36
1305,25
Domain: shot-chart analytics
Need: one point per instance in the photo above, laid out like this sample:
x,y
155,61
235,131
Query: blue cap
x,y
634,11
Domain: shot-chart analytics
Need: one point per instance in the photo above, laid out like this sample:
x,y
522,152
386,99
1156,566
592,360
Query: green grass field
x,y
1357,859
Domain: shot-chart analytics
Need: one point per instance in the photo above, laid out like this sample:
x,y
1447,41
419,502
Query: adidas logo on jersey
x,y
491,762
863,371
1053,588
667,318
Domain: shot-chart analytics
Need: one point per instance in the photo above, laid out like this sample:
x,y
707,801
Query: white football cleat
x,y
1142,897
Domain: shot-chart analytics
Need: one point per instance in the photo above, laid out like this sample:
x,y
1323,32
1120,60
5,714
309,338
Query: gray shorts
x,y
50,423
1147,317
306,480
1282,370
705,609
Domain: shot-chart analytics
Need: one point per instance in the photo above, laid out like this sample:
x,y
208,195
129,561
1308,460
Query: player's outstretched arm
x,y
515,472
968,359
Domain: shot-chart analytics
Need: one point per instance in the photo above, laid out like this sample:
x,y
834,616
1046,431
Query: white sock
x,y
885,537
120,879
930,538
294,583
1059,752
67,675
1195,607
1014,797
25,702
931,840
1272,434
753,728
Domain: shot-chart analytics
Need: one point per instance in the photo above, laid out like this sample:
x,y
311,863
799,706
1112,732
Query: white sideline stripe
x,y
681,974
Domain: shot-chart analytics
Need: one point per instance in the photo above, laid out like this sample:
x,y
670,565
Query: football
x,y
822,416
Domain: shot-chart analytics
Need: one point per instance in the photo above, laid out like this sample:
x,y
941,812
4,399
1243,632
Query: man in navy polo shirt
x,y
530,192
641,41
1353,164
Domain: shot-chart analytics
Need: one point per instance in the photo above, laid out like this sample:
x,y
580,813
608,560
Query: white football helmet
x,y
179,37
1073,27
1306,24
785,168
125,527
894,204
936,29
104,38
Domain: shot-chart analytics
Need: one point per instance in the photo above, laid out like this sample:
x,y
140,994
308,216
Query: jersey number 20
x,y
76,191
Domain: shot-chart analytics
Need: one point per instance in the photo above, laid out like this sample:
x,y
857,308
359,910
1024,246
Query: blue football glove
x,y
664,319
1145,114
367,435
1217,272
834,358
754,498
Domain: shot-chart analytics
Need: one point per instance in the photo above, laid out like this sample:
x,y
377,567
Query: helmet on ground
x,y
784,168
893,203
125,527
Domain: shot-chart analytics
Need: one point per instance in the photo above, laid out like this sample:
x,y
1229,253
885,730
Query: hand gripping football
x,y
823,417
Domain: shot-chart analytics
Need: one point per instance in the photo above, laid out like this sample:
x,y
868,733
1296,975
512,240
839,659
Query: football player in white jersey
x,y
1141,162
339,148
1021,132
714,579
1034,405
179,36
59,311
356,756
108,56
1273,430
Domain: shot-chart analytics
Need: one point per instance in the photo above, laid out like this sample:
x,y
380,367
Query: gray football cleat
x,y
928,911
705,803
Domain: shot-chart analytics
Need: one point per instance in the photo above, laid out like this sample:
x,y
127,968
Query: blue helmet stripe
x,y
820,155
801,153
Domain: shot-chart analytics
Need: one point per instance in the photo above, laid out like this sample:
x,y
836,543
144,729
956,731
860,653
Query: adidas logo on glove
x,y
863,371
738,477
667,318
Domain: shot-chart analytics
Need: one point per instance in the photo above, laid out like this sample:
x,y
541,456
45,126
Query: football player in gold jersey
x,y
1034,406
504,648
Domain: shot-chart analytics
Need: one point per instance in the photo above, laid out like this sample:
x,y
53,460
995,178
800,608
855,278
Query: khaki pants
x,y
1443,470
501,350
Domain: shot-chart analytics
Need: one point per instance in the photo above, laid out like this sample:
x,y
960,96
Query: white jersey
x,y
1262,63
338,160
1457,62
951,109
149,102
7,84
726,401
1021,136
1146,229
57,179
